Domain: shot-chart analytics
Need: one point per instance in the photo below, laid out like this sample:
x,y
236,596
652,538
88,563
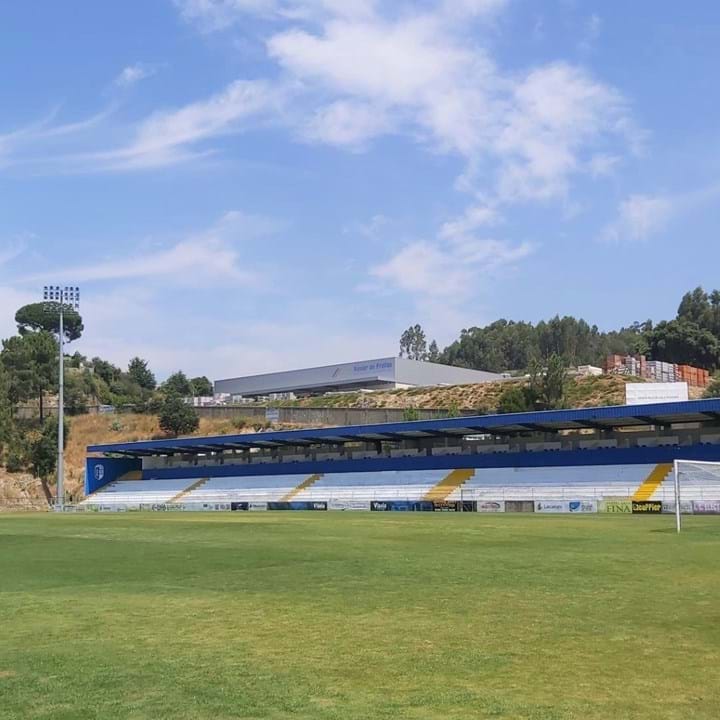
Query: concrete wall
x,y
322,416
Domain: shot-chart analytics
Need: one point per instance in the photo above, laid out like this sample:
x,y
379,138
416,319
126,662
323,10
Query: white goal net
x,y
695,484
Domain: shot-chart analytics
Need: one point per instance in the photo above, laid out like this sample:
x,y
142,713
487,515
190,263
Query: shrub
x,y
177,417
410,414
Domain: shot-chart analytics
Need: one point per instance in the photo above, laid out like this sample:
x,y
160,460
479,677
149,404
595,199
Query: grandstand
x,y
559,456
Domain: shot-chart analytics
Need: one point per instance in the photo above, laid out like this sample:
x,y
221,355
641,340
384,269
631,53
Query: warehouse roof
x,y
604,418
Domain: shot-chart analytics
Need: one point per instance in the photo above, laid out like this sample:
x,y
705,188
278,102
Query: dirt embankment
x,y
483,397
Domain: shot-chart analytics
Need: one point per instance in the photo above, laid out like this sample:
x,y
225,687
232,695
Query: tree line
x,y
692,337
29,374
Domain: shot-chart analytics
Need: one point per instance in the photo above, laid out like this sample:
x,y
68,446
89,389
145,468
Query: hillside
x,y
22,488
483,397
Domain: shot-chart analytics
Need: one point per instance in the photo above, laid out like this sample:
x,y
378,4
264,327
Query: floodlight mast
x,y
61,297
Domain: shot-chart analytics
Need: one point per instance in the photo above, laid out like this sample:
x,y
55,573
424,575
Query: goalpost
x,y
694,473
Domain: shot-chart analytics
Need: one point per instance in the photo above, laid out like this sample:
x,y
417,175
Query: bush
x,y
410,414
15,461
241,422
514,399
713,389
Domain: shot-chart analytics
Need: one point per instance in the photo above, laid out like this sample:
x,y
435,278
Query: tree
x,y
201,386
686,343
6,414
546,386
553,387
177,384
31,364
37,317
41,451
141,374
433,352
105,370
413,343
177,417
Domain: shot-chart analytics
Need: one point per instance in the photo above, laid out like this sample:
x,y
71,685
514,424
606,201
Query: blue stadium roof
x,y
604,418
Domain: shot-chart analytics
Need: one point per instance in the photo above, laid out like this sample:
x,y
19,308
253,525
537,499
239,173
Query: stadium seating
x,y
551,483
259,488
132,493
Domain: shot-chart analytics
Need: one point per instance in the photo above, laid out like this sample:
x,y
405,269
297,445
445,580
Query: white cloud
x,y
200,258
474,217
447,269
346,123
171,136
639,217
557,111
133,74
219,14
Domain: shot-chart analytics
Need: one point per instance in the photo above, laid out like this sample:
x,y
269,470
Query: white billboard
x,y
648,393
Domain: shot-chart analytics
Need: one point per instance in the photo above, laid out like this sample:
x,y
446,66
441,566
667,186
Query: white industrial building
x,y
379,374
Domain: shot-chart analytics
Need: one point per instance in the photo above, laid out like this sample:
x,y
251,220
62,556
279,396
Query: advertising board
x,y
446,506
519,506
646,507
649,393
616,506
297,505
686,507
348,505
242,506
706,507
582,506
491,506
551,506
257,506
401,506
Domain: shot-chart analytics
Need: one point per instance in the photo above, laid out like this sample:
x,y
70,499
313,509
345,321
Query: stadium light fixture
x,y
61,300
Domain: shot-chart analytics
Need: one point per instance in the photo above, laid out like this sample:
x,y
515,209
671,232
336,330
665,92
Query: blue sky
x,y
251,185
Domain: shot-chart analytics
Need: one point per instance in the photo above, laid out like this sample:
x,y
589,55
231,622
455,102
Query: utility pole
x,y
60,300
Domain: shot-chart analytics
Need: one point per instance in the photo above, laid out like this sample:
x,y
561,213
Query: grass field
x,y
340,615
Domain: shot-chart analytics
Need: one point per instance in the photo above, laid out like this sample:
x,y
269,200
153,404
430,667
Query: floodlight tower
x,y
61,299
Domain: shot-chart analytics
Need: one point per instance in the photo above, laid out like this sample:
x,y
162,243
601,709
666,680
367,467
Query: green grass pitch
x,y
358,616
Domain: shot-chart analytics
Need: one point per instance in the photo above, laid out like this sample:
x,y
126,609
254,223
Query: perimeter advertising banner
x,y
583,506
298,505
491,506
401,506
186,507
646,507
520,506
686,507
348,505
551,506
447,506
257,506
706,507
616,506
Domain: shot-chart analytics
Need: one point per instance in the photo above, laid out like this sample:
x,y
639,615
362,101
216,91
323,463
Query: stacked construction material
x,y
656,370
